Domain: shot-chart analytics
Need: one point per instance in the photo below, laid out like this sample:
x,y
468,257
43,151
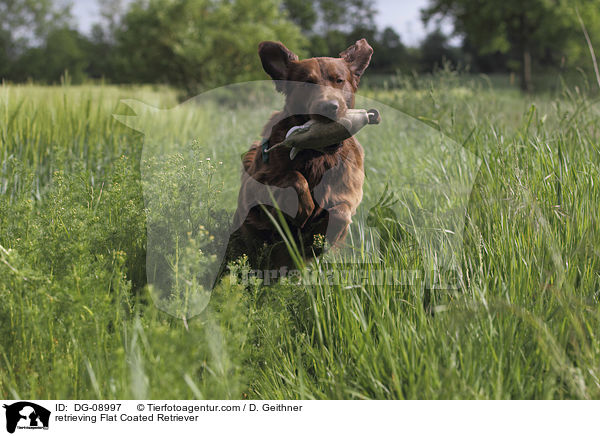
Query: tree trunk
x,y
526,84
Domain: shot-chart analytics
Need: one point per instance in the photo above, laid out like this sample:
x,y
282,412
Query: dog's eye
x,y
339,81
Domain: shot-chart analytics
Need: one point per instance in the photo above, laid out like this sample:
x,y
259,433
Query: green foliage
x,y
435,51
343,15
6,46
186,43
62,57
541,31
390,54
195,45
28,19
183,203
22,23
537,24
76,319
302,12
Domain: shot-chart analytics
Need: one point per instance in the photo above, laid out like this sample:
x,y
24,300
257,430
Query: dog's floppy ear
x,y
358,57
275,58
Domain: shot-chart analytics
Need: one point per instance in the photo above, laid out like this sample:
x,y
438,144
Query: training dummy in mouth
x,y
317,135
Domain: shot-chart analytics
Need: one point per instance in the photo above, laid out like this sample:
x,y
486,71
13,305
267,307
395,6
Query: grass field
x,y
79,191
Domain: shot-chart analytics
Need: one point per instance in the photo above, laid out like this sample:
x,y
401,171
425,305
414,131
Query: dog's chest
x,y
314,164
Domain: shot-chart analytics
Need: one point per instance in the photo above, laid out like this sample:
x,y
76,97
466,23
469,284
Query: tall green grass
x,y
77,320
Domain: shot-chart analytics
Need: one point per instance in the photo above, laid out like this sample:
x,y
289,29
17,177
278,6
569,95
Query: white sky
x,y
402,15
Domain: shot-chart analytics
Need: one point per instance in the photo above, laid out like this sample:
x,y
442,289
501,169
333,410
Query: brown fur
x,y
328,183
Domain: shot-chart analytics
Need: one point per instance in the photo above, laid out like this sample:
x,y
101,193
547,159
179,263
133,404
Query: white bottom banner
x,y
299,417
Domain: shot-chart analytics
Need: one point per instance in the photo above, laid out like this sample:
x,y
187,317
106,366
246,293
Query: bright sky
x,y
402,15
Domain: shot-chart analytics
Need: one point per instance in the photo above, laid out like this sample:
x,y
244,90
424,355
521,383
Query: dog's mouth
x,y
324,111
317,117
320,118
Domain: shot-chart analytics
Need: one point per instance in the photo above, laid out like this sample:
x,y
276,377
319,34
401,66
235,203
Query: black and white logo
x,y
26,415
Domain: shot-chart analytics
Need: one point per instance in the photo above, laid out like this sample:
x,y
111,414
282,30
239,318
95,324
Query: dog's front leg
x,y
290,194
306,205
340,217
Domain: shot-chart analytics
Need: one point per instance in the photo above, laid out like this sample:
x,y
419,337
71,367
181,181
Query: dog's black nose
x,y
330,108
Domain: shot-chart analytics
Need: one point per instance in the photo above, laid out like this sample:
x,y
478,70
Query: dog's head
x,y
317,87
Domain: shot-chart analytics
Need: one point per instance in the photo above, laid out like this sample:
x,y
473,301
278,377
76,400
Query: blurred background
x,y
198,44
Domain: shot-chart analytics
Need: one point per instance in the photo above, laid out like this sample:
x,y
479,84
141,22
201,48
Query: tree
x,y
30,20
303,13
347,15
524,30
194,44
112,12
389,52
332,25
65,50
101,53
25,24
6,47
436,49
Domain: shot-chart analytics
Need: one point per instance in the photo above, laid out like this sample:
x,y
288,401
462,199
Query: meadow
x,y
504,185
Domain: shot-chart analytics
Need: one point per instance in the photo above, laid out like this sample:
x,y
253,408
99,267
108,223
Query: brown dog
x,y
319,191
